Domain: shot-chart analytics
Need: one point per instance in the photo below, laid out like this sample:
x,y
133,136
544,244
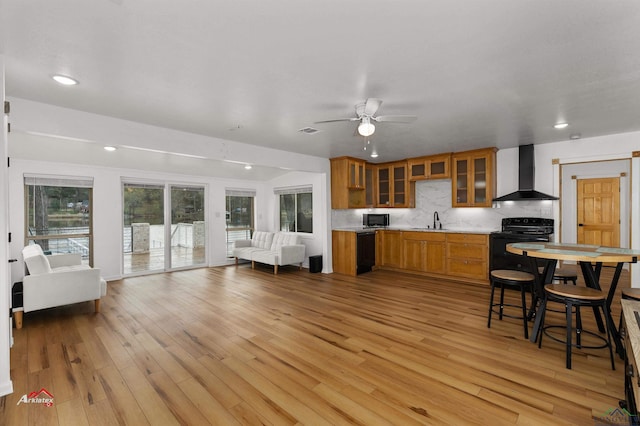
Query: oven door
x,y
499,258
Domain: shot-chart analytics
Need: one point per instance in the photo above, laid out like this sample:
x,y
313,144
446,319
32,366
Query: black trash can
x,y
315,263
16,295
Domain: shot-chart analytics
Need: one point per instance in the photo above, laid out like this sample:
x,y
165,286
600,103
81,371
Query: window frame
x,y
56,181
296,192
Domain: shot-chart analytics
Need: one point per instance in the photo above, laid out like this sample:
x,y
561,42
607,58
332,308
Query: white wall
x,y
317,243
6,386
107,208
51,122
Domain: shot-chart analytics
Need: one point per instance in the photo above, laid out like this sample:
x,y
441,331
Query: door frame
x,y
585,180
569,174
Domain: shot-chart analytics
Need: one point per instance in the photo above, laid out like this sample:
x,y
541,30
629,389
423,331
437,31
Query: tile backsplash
x,y
435,195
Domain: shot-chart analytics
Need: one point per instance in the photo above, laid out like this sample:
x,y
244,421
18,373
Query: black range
x,y
514,230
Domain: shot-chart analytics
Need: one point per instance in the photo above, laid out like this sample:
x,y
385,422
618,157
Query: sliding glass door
x,y
188,231
164,227
143,231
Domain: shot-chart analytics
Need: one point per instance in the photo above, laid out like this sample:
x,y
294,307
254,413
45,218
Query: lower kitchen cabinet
x,y
462,256
353,252
467,256
390,252
424,252
344,247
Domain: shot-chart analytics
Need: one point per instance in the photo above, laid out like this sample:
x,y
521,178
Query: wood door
x,y
599,211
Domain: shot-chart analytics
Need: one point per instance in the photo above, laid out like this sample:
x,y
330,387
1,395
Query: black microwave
x,y
375,220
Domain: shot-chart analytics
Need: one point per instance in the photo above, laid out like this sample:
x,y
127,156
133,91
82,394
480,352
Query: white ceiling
x,y
476,73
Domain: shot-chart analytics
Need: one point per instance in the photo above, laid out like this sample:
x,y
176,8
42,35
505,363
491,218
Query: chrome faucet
x,y
436,219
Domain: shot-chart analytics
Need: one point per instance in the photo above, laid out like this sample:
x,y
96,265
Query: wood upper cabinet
x,y
431,167
424,252
347,183
393,189
473,180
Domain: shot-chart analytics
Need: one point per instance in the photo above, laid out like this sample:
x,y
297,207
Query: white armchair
x,y
57,280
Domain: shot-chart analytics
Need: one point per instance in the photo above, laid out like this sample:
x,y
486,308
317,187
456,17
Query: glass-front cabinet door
x,y
480,181
384,187
370,194
473,178
431,167
400,192
460,182
356,174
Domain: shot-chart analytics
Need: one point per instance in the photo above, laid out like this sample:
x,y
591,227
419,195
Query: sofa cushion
x,y
283,239
38,264
269,257
262,239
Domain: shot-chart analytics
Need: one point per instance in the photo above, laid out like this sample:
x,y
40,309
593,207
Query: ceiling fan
x,y
365,115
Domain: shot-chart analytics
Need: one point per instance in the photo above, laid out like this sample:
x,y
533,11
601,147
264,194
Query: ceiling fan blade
x,y
395,118
337,119
371,106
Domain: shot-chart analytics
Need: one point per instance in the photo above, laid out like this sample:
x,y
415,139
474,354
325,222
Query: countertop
x,y
359,229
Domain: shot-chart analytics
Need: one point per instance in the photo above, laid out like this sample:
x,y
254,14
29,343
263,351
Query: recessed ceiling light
x,y
248,167
374,155
64,80
575,136
560,125
110,148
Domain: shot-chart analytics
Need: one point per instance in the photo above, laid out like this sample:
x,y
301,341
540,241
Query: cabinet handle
x,y
630,370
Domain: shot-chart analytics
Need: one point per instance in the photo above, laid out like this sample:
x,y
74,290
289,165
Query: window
x,y
58,214
296,209
239,216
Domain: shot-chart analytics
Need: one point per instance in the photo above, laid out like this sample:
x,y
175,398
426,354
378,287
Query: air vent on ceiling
x,y
308,130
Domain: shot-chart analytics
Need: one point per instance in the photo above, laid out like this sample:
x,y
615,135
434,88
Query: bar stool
x,y
514,279
571,296
631,293
564,274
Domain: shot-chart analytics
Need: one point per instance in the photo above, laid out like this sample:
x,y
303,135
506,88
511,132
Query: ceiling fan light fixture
x,y
366,128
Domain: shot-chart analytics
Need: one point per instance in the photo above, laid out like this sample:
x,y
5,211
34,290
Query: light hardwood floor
x,y
239,346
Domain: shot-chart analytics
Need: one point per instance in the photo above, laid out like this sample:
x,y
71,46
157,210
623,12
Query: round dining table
x,y
591,258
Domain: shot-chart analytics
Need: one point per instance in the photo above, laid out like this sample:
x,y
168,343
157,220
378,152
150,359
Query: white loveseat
x,y
272,248
56,280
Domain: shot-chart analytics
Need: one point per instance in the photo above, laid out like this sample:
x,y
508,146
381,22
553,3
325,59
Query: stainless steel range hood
x,y
526,178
